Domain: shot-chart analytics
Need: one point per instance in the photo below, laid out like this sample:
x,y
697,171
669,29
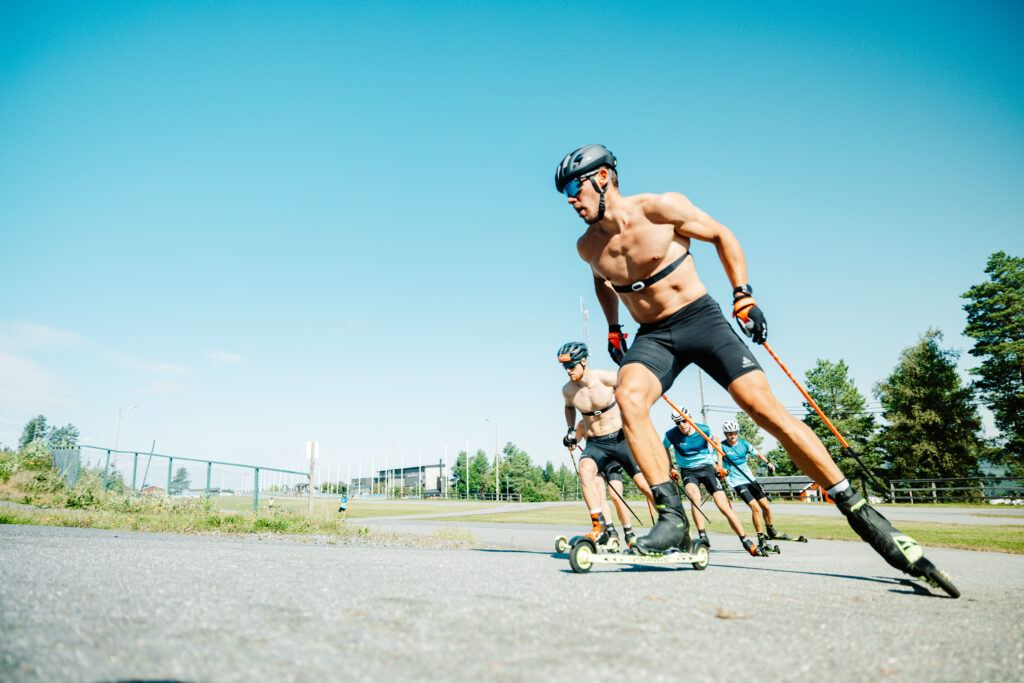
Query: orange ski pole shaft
x,y
806,396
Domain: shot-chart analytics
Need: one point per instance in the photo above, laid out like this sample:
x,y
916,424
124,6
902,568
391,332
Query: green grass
x,y
999,538
357,509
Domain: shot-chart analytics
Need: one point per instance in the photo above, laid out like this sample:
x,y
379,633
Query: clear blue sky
x,y
266,223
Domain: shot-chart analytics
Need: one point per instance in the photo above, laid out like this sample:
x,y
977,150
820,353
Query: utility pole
x,y
312,451
703,406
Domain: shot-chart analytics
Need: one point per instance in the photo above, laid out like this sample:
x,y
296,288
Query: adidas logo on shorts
x,y
747,363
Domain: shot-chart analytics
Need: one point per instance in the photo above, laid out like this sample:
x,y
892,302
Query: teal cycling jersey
x,y
690,451
736,462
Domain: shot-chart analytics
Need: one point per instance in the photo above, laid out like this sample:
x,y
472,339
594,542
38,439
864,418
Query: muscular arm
x,y
689,221
570,417
608,299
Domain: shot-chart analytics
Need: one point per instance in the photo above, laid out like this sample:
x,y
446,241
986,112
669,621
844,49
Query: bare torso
x,y
595,391
638,246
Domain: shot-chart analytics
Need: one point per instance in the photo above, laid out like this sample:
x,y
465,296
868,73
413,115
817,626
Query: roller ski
x,y
583,556
668,542
898,549
767,546
754,549
776,535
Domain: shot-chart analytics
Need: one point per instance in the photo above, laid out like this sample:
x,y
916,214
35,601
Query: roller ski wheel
x,y
561,544
933,576
584,556
581,557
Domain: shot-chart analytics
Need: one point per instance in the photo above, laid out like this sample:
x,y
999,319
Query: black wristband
x,y
615,328
742,290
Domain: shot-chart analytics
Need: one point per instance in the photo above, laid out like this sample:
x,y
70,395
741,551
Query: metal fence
x,y
965,489
144,473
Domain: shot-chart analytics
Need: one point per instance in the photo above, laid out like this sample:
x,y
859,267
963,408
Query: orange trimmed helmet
x,y
572,353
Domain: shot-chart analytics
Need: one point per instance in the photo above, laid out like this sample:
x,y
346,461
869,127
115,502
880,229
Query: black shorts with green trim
x,y
749,492
611,454
697,333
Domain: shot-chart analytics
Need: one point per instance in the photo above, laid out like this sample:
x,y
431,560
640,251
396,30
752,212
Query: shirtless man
x,y
638,249
592,392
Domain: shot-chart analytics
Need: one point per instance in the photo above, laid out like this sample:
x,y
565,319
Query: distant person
x,y
742,480
696,467
592,392
638,248
343,506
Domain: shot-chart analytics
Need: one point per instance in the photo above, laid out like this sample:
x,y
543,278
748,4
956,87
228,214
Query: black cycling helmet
x,y
582,161
572,352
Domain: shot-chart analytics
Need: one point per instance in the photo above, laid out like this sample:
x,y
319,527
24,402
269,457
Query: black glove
x,y
617,343
569,440
748,316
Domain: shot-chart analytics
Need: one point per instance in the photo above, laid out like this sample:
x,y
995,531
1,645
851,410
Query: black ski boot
x,y
777,535
629,536
762,542
898,549
703,538
672,531
753,548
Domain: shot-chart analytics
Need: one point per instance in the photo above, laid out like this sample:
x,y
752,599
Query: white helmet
x,y
730,427
679,419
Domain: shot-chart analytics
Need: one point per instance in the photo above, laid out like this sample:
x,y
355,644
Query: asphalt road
x,y
91,605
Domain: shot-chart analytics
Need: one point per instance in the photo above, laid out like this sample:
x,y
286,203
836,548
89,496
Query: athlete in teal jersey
x,y
742,480
698,467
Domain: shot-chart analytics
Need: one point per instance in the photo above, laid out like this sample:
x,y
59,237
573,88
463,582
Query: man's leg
x,y
619,503
753,395
641,483
593,490
693,493
723,505
755,515
637,391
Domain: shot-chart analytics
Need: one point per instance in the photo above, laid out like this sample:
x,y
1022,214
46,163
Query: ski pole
x,y
706,438
612,489
846,447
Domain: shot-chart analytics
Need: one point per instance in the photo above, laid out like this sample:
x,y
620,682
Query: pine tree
x,y
832,388
995,320
934,427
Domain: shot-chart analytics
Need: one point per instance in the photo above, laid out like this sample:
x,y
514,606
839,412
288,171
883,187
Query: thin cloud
x,y
28,336
163,388
23,383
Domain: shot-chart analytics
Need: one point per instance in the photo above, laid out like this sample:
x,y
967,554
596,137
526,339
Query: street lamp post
x,y
117,428
497,488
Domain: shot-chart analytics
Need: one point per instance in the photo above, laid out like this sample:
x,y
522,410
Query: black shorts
x,y
749,492
697,333
611,455
705,474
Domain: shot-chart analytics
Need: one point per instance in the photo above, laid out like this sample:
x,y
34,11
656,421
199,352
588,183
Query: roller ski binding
x,y
602,537
762,542
776,535
896,548
754,549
